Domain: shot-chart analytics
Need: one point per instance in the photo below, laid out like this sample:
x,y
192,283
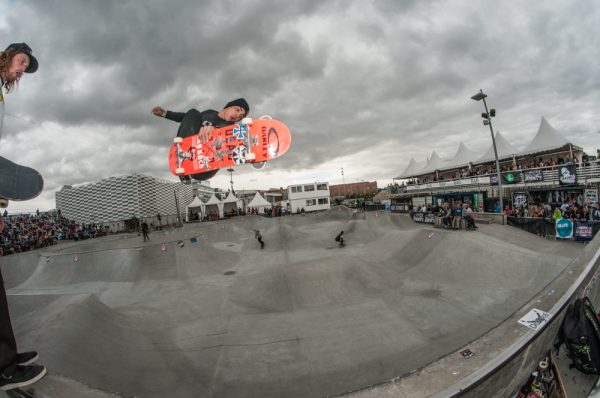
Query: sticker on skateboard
x,y
248,142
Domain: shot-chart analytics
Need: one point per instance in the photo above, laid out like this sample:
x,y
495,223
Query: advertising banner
x,y
388,205
591,196
520,199
567,175
429,218
583,230
510,177
596,214
493,179
533,176
418,217
564,228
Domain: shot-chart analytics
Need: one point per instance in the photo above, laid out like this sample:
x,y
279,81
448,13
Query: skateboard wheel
x,y
239,154
246,121
177,140
179,170
3,203
259,165
266,117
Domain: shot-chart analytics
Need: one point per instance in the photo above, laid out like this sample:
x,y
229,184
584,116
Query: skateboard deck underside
x,y
230,146
19,182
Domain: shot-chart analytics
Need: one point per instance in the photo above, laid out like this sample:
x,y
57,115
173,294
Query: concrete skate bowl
x,y
300,318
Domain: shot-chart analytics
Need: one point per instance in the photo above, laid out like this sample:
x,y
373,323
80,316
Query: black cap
x,y
239,102
25,49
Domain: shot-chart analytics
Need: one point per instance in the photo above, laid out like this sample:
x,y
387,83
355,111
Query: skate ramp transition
x,y
301,318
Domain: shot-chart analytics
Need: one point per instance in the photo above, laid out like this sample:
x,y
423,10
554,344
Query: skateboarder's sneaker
x,y
26,358
18,182
22,376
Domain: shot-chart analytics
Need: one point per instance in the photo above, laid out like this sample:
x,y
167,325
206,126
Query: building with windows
x,y
354,190
310,197
114,201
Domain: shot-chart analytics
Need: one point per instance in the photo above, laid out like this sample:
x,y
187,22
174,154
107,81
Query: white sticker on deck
x,y
535,319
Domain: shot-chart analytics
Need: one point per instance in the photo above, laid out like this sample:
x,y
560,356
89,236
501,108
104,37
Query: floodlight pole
x,y
481,96
231,170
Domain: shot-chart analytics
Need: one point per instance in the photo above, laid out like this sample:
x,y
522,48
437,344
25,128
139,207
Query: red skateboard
x,y
250,141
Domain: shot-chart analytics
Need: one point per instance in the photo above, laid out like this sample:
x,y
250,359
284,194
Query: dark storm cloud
x,y
346,76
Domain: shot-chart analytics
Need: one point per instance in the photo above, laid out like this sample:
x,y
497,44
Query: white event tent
x,y
546,140
196,207
259,202
214,205
231,202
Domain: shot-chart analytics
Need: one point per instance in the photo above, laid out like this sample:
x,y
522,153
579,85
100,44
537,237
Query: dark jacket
x,y
209,117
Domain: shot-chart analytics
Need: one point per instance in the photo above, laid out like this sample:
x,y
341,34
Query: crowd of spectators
x,y
34,231
570,210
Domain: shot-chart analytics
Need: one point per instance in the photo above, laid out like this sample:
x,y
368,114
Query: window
x,y
309,188
323,201
311,202
296,189
322,187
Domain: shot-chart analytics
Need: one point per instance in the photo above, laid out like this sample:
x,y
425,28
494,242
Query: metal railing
x,y
548,176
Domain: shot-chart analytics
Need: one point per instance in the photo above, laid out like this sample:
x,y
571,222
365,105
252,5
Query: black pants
x,y
8,345
190,125
262,244
146,235
470,221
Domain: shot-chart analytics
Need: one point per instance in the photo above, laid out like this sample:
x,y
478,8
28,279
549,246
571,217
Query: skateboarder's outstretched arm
x,y
174,116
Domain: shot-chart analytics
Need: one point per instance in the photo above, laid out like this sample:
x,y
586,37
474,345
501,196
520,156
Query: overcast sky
x,y
363,85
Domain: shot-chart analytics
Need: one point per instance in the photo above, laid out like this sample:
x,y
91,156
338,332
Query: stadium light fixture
x,y
487,116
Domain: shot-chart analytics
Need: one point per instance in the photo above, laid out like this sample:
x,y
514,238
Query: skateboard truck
x,y
246,122
177,141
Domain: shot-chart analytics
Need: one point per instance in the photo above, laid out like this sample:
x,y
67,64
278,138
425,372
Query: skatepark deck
x,y
301,318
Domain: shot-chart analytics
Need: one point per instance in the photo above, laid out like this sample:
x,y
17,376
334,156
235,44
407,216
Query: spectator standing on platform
x,y
557,213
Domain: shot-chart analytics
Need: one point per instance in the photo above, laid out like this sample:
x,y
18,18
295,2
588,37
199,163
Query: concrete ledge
x,y
56,386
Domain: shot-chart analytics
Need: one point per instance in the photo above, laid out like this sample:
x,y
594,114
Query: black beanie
x,y
239,102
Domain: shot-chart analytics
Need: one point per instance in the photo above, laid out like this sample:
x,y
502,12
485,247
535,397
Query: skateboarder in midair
x,y
15,368
203,123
